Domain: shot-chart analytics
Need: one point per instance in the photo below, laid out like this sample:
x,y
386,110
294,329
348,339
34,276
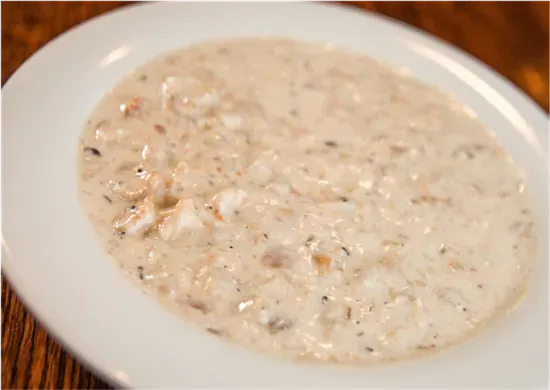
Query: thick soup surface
x,y
305,201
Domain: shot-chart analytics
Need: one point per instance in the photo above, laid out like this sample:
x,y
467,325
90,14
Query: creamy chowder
x,y
305,201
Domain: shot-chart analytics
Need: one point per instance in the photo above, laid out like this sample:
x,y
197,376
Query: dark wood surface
x,y
510,37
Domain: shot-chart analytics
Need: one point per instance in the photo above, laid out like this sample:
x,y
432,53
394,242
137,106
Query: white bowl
x,y
54,261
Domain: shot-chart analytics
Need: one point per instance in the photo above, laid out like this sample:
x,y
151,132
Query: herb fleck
x,y
346,250
159,129
369,349
214,331
94,151
331,144
107,199
140,272
198,305
277,324
343,199
324,299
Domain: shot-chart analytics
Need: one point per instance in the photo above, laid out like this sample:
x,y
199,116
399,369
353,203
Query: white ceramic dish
x,y
57,267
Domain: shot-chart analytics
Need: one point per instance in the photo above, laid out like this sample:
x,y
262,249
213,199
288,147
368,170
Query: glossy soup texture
x,y
305,201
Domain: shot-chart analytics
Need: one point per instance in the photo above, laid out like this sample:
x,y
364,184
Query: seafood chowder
x,y
305,201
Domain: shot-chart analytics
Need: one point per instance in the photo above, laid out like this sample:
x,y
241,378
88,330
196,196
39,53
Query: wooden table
x,y
510,37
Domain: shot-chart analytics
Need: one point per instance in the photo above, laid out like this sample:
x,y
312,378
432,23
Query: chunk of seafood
x,y
156,186
158,157
228,201
148,184
188,95
132,192
232,122
132,108
182,218
208,101
137,218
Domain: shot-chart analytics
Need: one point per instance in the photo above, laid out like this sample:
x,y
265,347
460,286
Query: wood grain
x,y
510,37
